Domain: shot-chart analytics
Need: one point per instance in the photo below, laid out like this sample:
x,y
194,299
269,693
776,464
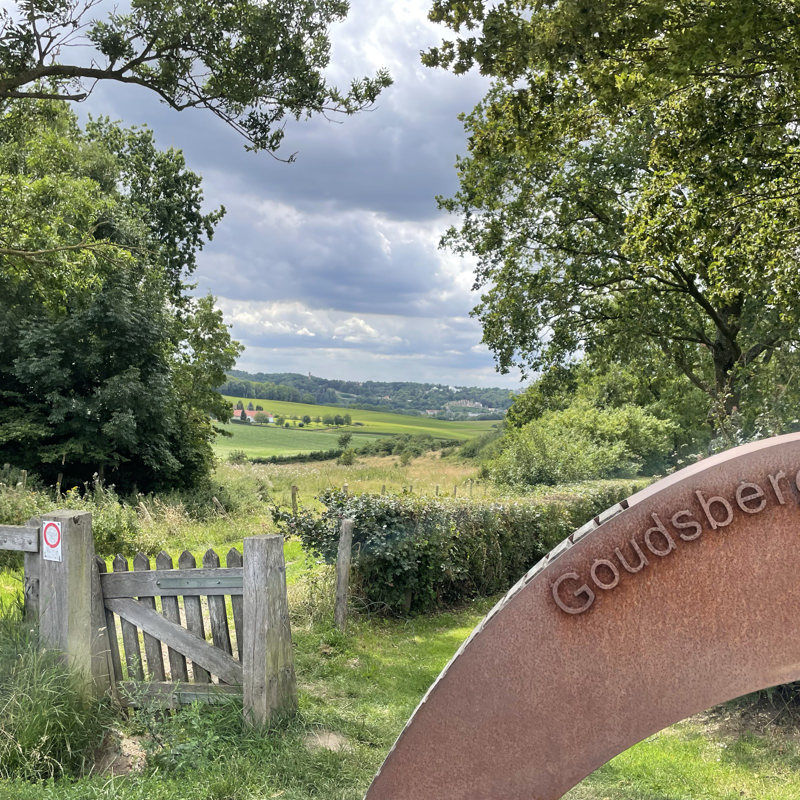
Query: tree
x,y
631,185
251,63
107,364
347,458
344,440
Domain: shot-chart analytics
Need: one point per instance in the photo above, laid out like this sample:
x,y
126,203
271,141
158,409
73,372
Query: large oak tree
x,y
632,182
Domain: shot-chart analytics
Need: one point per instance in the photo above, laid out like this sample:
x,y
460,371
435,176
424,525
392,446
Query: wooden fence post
x,y
294,501
70,600
267,659
343,573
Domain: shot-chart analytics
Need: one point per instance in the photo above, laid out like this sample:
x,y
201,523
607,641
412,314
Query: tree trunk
x,y
726,354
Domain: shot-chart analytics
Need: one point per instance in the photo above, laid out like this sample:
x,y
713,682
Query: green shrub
x,y
540,454
238,456
413,553
17,506
116,526
582,442
49,726
483,446
347,458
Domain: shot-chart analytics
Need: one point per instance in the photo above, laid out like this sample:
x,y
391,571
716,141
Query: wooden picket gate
x,y
170,679
182,617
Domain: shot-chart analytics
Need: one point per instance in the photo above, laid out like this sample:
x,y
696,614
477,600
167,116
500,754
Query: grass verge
x,y
713,756
356,693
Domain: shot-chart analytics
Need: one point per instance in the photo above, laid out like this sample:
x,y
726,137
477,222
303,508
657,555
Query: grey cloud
x,y
353,262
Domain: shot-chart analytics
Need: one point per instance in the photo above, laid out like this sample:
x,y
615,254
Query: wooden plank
x,y
234,559
30,584
343,573
200,652
270,685
172,695
217,614
111,628
178,583
22,538
103,668
171,610
194,617
130,636
152,646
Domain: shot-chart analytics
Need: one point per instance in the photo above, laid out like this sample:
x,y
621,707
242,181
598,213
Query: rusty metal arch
x,y
682,597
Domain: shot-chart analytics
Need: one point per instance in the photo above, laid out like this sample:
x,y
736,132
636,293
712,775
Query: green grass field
x,y
262,441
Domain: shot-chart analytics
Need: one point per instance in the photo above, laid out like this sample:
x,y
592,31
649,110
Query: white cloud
x,y
332,264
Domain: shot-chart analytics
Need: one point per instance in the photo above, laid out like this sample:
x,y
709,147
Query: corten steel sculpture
x,y
683,597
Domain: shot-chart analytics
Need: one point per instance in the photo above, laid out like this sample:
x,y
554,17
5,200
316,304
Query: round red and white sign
x,y
51,540
52,534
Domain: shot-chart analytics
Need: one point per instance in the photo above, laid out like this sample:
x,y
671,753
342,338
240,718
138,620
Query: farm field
x,y
262,441
369,474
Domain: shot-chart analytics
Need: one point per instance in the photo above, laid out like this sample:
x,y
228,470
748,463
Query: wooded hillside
x,y
405,396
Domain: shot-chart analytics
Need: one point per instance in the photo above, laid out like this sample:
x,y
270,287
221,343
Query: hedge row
x,y
413,553
298,458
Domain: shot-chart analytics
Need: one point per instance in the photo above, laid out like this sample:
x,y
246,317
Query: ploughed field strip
x,y
180,630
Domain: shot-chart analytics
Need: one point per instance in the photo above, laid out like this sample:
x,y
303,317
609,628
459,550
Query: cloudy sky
x,y
331,265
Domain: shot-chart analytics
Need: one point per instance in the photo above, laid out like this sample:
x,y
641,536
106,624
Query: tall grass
x,y
49,726
422,475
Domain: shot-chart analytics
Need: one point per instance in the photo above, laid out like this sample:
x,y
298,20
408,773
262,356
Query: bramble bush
x,y
413,553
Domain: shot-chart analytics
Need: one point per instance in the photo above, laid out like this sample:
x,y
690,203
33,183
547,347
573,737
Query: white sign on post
x,y
51,540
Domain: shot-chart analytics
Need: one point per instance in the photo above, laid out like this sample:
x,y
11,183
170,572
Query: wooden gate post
x,y
70,599
343,573
269,684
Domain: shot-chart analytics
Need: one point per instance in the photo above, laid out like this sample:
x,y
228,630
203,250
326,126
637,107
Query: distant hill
x,y
434,399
